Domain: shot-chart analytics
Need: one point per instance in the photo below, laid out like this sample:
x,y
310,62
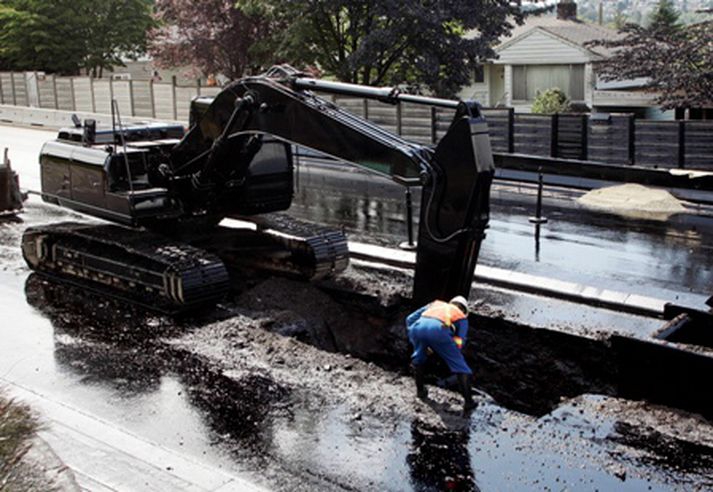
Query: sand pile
x,y
633,200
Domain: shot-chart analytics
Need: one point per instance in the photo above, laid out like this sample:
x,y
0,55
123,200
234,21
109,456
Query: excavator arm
x,y
227,131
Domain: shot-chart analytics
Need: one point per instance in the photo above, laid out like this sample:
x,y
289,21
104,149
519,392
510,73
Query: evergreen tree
x,y
664,18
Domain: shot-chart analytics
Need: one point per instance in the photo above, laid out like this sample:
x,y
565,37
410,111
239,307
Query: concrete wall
x,y
136,98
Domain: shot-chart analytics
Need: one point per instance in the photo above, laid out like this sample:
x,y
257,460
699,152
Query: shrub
x,y
550,101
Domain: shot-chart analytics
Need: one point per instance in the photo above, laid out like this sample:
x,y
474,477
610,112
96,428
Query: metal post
x,y
409,245
2,94
153,99
434,125
681,144
538,218
511,130
399,122
173,95
132,104
366,108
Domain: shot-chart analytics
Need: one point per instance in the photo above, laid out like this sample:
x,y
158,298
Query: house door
x,y
497,85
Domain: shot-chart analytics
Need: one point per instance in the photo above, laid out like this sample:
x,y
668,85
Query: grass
x,y
18,426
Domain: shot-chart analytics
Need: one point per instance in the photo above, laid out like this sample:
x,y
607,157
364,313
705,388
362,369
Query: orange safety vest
x,y
447,314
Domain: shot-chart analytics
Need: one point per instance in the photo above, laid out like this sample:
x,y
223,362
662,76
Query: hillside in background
x,y
637,11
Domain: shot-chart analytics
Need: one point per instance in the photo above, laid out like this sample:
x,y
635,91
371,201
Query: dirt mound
x,y
633,200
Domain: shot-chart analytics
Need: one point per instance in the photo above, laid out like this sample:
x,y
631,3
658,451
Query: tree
x,y
66,35
213,36
430,43
115,30
677,62
40,35
550,101
664,17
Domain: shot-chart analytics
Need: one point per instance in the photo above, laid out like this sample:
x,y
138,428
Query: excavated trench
x,y
360,314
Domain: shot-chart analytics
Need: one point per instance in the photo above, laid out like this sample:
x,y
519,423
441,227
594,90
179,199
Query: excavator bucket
x,y
10,196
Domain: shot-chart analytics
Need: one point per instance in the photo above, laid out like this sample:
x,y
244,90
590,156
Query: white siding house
x,y
549,51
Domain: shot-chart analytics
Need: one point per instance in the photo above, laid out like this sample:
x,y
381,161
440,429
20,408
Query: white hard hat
x,y
461,303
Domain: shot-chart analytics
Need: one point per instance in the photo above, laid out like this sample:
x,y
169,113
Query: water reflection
x,y
440,459
604,251
119,353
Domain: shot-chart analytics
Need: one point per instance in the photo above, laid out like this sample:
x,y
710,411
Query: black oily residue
x,y
663,450
440,460
235,406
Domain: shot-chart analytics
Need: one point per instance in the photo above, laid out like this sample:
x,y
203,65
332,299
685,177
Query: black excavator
x,y
167,191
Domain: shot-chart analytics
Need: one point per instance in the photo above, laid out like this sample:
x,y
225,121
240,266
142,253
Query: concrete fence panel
x,y
19,89
121,89
184,96
45,91
210,91
83,94
143,98
163,101
65,94
102,96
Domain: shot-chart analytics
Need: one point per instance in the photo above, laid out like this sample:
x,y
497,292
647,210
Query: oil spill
x,y
291,438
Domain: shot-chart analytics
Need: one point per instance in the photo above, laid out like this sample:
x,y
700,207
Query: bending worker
x,y
443,328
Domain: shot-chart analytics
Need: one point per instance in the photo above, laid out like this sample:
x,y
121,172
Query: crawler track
x,y
133,264
176,274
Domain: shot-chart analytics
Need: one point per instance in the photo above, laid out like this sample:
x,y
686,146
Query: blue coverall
x,y
427,333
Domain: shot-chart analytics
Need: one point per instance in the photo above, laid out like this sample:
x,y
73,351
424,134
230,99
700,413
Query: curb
x,y
43,458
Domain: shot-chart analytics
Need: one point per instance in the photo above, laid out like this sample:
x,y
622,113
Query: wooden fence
x,y
615,138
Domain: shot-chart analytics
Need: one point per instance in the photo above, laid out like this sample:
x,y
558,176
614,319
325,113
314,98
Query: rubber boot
x,y
464,381
419,374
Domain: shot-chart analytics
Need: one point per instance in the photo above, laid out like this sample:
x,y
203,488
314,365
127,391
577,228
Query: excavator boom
x,y
455,176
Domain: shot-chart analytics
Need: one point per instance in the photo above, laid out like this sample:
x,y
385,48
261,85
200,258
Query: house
x,y
550,51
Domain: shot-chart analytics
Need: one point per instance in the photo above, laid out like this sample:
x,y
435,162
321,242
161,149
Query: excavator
x,y
166,191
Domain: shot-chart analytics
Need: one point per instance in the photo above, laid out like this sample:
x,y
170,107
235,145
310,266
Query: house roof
x,y
573,32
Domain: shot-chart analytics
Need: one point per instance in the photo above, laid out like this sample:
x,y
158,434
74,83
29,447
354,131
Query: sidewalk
x,y
105,458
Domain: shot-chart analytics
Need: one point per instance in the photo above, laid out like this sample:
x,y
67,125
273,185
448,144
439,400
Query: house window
x,y
527,80
478,74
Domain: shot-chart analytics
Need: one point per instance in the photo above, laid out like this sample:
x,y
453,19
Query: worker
x,y
441,327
